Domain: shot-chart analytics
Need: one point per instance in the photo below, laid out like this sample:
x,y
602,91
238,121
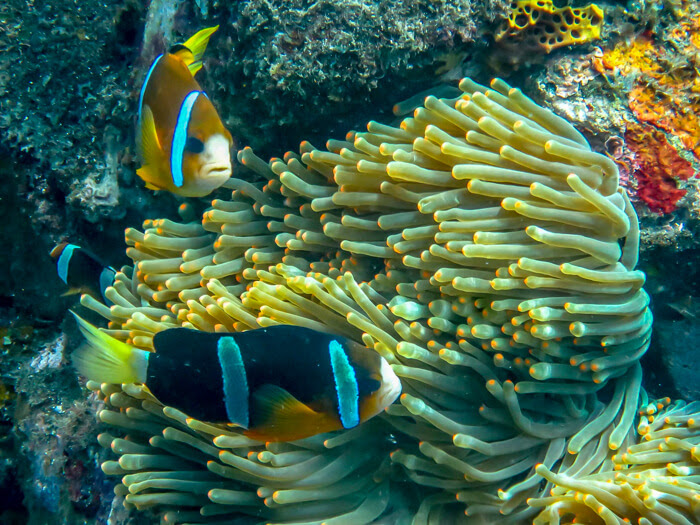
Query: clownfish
x,y
183,145
280,383
82,271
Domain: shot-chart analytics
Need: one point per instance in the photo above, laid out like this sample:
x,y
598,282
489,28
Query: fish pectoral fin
x,y
274,403
191,52
149,177
152,187
71,291
279,416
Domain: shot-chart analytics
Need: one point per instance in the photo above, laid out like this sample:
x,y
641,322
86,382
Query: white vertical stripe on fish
x,y
145,83
180,137
64,261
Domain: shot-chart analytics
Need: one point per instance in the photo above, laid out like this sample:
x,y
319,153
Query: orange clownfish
x,y
183,145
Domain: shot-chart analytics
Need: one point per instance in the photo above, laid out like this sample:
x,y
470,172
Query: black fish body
x,y
82,271
279,383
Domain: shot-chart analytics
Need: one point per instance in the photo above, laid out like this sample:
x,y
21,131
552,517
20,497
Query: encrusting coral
x,y
488,254
535,25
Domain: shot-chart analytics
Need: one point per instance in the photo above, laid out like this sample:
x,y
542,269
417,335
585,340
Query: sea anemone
x,y
481,247
653,481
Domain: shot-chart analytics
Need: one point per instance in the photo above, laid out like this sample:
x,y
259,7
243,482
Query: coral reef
x,y
657,168
658,75
69,79
574,89
536,25
665,86
66,116
64,79
639,110
300,69
52,464
509,306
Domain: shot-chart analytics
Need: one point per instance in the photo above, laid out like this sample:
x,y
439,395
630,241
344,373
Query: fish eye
x,y
194,145
373,383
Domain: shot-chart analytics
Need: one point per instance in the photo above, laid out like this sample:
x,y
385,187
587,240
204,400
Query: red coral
x,y
658,168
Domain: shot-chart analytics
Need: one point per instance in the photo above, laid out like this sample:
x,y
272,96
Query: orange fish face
x,y
372,403
387,393
183,144
205,154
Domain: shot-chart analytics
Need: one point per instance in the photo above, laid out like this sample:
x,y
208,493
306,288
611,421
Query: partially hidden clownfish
x,y
183,145
280,383
82,271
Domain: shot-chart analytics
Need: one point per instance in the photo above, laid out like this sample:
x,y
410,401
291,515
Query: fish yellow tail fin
x,y
107,360
191,52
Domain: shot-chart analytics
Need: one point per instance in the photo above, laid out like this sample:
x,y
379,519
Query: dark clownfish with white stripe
x,y
82,271
183,145
280,383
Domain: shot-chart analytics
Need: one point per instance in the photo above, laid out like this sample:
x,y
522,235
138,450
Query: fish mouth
x,y
216,171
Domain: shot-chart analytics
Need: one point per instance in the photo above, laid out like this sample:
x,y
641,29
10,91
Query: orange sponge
x,y
538,24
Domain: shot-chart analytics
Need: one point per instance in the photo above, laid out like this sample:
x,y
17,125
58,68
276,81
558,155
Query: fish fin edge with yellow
x,y
192,51
106,359
150,149
72,291
279,416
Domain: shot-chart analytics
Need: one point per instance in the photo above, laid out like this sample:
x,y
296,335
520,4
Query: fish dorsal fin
x,y
235,381
191,52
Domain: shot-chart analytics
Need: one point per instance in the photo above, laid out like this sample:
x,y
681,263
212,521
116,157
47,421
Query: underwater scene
x,y
413,262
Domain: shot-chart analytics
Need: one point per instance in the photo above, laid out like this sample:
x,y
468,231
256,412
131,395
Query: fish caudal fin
x,y
191,52
107,360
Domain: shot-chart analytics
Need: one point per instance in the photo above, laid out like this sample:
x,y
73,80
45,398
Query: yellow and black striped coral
x,y
481,247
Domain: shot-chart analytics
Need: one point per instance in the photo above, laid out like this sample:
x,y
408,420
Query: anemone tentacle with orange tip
x,y
481,247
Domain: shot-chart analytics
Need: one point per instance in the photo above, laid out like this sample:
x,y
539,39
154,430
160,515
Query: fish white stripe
x,y
106,280
235,381
64,261
145,83
180,138
345,386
